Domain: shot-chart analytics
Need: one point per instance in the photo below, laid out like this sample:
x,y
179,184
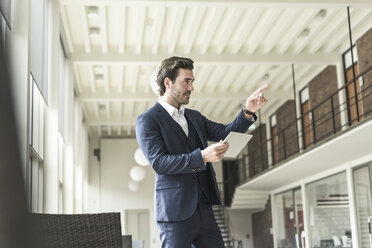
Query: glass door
x,y
289,219
299,218
362,188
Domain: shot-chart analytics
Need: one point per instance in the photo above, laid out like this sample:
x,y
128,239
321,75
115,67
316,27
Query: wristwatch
x,y
246,111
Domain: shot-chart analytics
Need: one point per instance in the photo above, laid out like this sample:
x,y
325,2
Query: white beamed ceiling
x,y
236,45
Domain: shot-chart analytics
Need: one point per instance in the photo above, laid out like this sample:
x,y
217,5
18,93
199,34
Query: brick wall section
x,y
364,48
257,151
331,222
320,88
261,223
286,130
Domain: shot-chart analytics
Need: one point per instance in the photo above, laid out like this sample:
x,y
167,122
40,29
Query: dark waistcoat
x,y
206,189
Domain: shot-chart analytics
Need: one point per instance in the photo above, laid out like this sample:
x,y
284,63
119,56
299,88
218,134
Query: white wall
x,y
117,158
51,115
241,219
76,141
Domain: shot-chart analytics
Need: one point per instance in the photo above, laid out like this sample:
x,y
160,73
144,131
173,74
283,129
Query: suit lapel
x,y
173,125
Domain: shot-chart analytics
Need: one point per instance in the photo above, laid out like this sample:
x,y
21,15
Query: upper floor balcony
x,y
328,125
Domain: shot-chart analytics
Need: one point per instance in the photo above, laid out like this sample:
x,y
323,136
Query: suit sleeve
x,y
217,132
150,140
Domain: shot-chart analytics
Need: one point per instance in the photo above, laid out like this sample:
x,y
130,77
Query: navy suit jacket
x,y
165,146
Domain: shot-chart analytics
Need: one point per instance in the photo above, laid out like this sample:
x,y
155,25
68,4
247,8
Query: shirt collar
x,y
170,109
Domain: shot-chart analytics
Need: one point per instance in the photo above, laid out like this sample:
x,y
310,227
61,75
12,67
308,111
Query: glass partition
x,y
328,212
288,219
362,188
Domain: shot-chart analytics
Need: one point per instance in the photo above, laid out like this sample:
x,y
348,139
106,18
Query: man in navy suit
x,y
174,140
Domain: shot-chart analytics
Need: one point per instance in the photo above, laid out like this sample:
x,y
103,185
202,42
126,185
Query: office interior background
x,y
82,71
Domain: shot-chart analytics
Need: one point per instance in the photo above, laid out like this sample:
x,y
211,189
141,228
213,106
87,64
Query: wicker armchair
x,y
101,230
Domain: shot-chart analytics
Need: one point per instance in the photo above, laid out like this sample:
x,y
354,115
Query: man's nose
x,y
190,87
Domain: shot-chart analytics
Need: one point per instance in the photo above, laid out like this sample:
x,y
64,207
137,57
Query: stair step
x,y
220,217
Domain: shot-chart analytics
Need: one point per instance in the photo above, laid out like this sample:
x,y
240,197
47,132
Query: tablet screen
x,y
237,142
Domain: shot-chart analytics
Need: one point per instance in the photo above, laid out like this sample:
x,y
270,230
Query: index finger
x,y
261,89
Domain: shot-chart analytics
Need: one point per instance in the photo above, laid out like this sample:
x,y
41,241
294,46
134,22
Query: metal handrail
x,y
229,223
240,243
311,110
281,148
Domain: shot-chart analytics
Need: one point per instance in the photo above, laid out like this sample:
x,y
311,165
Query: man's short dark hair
x,y
169,68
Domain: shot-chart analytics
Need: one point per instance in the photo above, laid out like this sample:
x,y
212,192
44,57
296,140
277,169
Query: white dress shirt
x,y
177,114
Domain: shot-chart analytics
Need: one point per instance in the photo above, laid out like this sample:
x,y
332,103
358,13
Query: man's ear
x,y
167,82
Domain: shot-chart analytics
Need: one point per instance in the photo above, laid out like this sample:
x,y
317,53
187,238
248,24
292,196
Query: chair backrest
x,y
101,230
127,241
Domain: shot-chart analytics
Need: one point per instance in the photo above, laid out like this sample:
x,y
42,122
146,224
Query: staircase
x,y
223,223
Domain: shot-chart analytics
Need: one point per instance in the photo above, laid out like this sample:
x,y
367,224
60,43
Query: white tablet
x,y
237,141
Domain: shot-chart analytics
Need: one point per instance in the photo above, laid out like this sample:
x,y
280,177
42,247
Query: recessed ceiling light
x,y
94,31
274,67
92,11
265,77
252,127
99,76
304,33
321,14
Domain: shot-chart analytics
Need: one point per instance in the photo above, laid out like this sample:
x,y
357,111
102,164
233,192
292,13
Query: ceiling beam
x,y
262,28
139,96
140,59
279,28
122,33
197,19
225,3
304,20
230,26
307,17
157,30
85,29
175,30
212,28
141,18
339,21
342,35
249,22
233,73
104,28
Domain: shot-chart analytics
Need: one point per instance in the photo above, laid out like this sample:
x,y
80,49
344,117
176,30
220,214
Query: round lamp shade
x,y
140,158
137,173
133,185
153,83
252,127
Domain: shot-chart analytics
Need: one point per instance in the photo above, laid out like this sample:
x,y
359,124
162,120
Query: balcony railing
x,y
342,109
